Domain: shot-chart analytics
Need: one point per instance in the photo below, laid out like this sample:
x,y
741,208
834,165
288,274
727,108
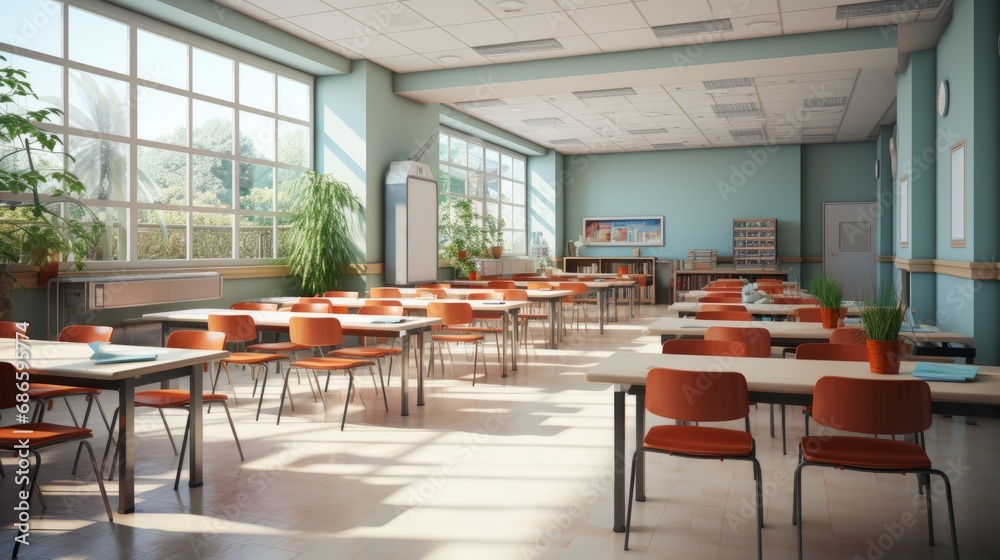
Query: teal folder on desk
x,y
101,357
929,371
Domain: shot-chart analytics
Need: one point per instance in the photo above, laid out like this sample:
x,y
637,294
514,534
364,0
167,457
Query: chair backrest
x,y
312,307
394,310
514,295
828,351
86,333
727,282
315,331
313,300
723,289
485,295
254,306
539,286
436,293
11,329
353,295
771,288
721,395
437,286
872,406
385,302
502,284
385,293
722,307
806,315
450,312
197,340
699,347
238,328
848,335
720,299
724,315
758,340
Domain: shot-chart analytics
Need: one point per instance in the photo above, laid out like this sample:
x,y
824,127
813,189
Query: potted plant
x,y
494,235
830,294
45,220
320,242
461,237
882,317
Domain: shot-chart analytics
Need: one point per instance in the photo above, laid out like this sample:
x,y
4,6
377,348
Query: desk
x,y
70,363
774,310
351,324
770,381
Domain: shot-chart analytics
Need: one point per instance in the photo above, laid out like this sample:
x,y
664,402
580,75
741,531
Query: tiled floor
x,y
520,470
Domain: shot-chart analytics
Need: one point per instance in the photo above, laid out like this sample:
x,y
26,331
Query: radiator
x,y
94,293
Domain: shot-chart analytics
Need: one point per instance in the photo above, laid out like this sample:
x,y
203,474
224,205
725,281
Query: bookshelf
x,y
755,242
634,266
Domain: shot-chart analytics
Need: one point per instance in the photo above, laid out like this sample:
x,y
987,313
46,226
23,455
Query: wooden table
x,y
769,381
69,363
362,324
773,310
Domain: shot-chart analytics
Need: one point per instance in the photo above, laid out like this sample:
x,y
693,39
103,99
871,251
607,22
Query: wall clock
x,y
942,98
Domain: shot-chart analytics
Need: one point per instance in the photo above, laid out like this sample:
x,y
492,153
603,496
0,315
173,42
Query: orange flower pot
x,y
473,275
883,356
829,316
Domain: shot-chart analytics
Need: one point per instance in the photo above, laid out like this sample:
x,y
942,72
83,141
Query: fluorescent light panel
x,y
815,102
736,110
727,84
885,7
648,131
669,146
692,28
480,103
543,121
591,93
520,47
745,136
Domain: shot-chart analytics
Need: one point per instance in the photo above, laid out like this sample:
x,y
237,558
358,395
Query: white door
x,y
849,246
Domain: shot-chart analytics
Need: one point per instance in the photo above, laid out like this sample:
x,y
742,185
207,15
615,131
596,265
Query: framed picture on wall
x,y
623,231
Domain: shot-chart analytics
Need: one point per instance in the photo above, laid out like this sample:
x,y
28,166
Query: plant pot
x,y
829,316
473,275
883,356
461,254
47,272
497,251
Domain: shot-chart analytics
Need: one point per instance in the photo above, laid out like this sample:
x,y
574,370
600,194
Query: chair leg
x,y
107,446
347,401
631,493
100,480
797,507
263,385
184,442
232,426
385,398
784,440
284,390
759,478
951,513
166,426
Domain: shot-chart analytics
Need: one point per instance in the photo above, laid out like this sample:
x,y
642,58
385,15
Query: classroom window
x,y
491,177
188,147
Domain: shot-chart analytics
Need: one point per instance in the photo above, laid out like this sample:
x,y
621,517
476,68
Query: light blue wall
x,y
545,200
699,193
886,204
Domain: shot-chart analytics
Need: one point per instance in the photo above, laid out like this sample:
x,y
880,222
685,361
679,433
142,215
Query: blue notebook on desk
x,y
101,356
387,321
929,371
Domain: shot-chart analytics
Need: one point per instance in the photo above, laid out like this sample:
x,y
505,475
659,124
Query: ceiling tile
x,y
342,51
658,12
793,5
426,40
632,39
609,18
894,19
289,27
348,4
809,21
530,7
333,26
468,57
570,5
482,33
389,17
742,8
452,12
407,63
288,8
245,8
541,26
376,46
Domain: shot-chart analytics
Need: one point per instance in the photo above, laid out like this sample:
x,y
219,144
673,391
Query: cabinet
x,y
633,266
755,242
411,195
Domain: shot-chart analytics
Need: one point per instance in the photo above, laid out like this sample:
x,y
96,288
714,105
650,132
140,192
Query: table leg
x,y
554,323
619,461
404,378
640,432
420,369
513,333
602,299
197,430
126,442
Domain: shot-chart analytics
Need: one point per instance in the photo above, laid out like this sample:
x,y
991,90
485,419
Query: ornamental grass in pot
x,y
830,294
882,318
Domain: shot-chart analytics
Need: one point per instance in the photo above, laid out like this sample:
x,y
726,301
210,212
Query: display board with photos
x,y
623,231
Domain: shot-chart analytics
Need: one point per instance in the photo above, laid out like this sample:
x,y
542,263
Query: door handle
x,y
835,254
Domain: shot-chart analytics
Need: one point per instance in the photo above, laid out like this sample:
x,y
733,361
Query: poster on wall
x,y
631,231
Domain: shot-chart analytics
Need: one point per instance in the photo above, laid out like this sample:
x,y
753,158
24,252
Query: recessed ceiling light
x,y
449,59
510,6
764,23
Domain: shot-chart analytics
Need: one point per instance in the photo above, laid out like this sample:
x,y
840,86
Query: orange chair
x,y
377,353
436,293
723,399
848,335
720,299
574,303
831,351
534,313
318,333
313,307
724,315
13,329
438,286
385,293
721,307
254,306
240,329
489,321
699,347
501,284
42,435
382,302
455,317
805,315
43,393
758,340
316,299
871,406
539,286
161,399
352,295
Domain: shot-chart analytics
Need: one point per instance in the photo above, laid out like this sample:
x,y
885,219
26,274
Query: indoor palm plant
x,y
494,235
321,245
461,235
882,317
830,294
35,227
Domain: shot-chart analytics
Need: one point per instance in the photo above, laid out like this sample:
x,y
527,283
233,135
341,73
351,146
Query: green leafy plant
x,y
461,237
321,245
494,231
828,290
36,229
882,315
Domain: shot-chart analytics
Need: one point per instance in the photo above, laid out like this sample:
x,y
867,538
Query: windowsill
x,y
28,278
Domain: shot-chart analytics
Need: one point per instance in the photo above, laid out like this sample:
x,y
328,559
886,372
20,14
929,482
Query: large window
x,y
187,147
493,178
